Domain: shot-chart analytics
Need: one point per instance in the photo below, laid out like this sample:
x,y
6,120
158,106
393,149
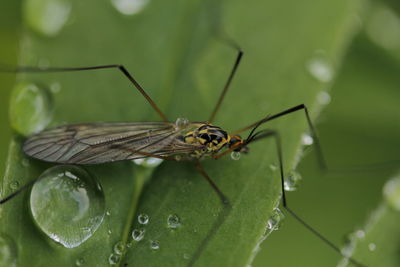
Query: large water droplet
x,y
30,108
173,221
143,218
8,251
181,123
320,67
148,162
235,155
129,7
154,245
67,204
275,221
138,234
47,17
292,181
391,192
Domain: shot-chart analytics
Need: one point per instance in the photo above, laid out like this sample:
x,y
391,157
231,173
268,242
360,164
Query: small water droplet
x,y
47,17
371,246
391,193
114,259
173,221
292,181
324,98
154,245
129,244
273,167
143,218
8,251
181,122
148,162
320,67
80,262
119,248
67,204
108,213
14,185
235,155
275,221
55,87
307,139
109,231
25,162
360,234
186,256
138,234
30,108
129,7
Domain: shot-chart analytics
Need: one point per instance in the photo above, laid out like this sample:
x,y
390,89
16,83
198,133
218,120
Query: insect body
x,y
95,143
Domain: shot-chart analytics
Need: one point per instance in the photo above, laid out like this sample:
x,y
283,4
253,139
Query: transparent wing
x,y
95,143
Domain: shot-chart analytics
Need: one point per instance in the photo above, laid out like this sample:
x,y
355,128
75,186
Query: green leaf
x,y
170,49
377,243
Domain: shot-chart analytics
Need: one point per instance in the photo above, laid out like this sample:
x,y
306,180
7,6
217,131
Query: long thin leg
x,y
113,66
226,208
227,84
277,138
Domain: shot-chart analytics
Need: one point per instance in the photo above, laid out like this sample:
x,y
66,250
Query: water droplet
x,y
14,185
114,259
154,245
67,204
25,162
292,181
129,7
391,192
186,256
360,234
371,246
8,251
319,67
273,167
30,108
148,162
109,231
307,139
173,221
108,213
138,234
143,218
79,262
324,98
55,87
235,155
47,17
181,122
129,244
275,221
119,248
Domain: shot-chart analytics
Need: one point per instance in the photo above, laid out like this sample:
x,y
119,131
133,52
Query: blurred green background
x,y
360,125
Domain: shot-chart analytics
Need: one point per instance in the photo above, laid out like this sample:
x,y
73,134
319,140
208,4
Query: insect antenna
x,y
121,68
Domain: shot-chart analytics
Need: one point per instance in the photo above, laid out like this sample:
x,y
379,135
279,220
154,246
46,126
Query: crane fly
x,y
97,143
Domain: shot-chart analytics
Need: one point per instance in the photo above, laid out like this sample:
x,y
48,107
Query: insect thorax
x,y
211,137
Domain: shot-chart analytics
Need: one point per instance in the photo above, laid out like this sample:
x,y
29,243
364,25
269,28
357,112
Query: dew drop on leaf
x,y
129,7
319,67
154,245
47,17
30,108
275,221
292,180
67,204
173,221
119,248
138,234
143,218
